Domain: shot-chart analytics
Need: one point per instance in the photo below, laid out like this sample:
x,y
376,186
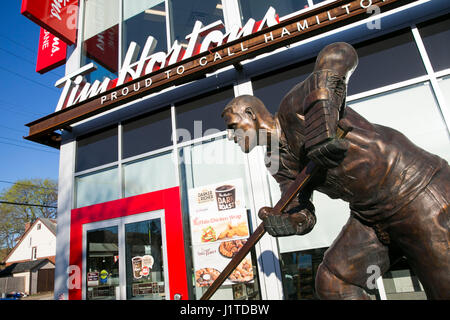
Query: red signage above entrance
x,y
51,52
57,16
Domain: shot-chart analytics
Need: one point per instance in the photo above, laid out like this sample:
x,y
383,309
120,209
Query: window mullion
x,y
119,157
120,37
443,108
168,26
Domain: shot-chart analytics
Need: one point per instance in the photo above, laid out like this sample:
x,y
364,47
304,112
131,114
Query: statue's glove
x,y
329,154
287,224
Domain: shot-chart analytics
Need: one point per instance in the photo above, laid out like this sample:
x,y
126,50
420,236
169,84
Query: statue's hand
x,y
329,154
284,224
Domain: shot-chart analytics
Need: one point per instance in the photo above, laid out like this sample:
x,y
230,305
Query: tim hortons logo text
x,y
202,39
75,91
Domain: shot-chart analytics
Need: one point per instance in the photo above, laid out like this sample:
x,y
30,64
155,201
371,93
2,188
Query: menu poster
x,y
219,228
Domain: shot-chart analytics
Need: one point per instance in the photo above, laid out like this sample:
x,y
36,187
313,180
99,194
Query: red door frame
x,y
169,200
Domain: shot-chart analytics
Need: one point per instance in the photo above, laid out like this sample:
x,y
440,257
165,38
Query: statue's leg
x,y
330,287
421,230
349,265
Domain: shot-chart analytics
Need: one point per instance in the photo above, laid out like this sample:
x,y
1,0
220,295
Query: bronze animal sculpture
x,y
398,193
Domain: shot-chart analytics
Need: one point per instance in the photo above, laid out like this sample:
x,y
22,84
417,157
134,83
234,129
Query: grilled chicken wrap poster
x,y
219,228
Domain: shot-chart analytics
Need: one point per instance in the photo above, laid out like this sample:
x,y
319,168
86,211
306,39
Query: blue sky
x,y
25,96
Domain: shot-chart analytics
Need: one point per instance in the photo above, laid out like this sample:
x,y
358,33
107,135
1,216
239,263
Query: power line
x,y
26,78
27,204
20,113
28,185
25,112
26,147
18,106
25,142
12,129
17,56
26,60
18,43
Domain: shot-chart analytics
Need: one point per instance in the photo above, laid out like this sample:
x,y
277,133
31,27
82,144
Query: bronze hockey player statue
x,y
398,193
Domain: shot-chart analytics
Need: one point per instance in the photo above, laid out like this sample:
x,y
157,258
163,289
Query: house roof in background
x,y
24,267
49,223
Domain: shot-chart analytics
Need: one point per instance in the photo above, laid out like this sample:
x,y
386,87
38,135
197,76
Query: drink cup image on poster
x,y
136,262
142,266
226,197
223,196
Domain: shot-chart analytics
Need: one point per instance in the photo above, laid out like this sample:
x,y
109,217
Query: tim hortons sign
x,y
51,52
59,17
209,48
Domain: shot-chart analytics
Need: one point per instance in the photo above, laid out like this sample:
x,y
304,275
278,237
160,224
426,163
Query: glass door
x,y
145,278
125,258
102,276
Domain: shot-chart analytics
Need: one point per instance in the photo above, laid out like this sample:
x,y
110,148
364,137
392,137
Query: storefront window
x,y
96,149
387,60
444,83
202,116
332,214
150,174
216,205
97,187
273,87
146,133
184,14
102,264
400,283
382,62
144,260
256,9
143,18
101,38
436,39
423,124
299,271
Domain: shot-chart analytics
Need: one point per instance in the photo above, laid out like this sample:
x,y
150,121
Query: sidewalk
x,y
40,296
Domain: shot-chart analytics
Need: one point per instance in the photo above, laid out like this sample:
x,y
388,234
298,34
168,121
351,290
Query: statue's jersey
x,y
382,172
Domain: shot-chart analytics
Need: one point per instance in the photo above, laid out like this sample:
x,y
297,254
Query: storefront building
x,y
151,192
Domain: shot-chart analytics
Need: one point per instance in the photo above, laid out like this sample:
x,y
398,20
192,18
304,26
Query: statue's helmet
x,y
339,57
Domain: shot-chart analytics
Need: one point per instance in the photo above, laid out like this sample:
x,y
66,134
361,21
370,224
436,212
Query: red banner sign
x,y
57,16
51,52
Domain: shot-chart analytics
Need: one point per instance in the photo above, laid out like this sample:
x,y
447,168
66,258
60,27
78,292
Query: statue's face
x,y
241,128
